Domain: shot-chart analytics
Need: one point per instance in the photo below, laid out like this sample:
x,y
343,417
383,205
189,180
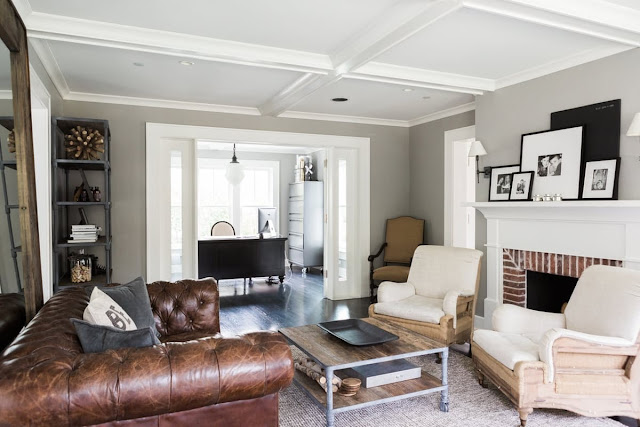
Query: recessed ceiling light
x,y
407,89
138,64
340,99
187,63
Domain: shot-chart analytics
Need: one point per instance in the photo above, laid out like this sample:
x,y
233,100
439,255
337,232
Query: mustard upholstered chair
x,y
438,299
586,360
403,235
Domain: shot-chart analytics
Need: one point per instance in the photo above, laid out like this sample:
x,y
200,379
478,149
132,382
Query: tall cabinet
x,y
68,174
306,227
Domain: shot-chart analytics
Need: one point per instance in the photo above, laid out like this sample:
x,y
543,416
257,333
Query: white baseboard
x,y
478,322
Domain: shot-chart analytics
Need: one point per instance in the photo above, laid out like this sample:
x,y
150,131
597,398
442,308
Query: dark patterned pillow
x,y
96,338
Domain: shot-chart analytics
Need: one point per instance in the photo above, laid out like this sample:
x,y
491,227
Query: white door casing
x,y
158,132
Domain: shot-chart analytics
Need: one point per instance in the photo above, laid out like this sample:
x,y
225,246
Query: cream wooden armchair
x,y
439,298
583,360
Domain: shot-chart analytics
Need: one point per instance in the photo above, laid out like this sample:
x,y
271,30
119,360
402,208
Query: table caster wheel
x,y
444,407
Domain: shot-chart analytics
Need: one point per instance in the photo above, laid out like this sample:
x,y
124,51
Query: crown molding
x,y
344,119
160,103
418,77
96,33
594,18
48,60
442,114
559,65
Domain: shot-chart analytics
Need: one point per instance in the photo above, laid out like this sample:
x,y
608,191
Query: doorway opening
x,y
460,188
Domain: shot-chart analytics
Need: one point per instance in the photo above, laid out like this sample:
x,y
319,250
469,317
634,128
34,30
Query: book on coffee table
x,y
378,374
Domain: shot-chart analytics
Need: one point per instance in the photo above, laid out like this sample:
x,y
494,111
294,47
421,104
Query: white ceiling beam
x,y
418,77
593,18
380,36
96,33
44,53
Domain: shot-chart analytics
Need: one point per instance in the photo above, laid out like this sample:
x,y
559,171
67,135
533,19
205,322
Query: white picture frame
x,y
556,159
601,179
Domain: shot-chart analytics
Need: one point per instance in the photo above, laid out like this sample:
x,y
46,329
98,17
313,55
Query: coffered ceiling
x,y
399,62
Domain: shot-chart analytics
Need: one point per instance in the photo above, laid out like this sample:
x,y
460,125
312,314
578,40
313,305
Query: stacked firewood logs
x,y
11,141
84,143
316,373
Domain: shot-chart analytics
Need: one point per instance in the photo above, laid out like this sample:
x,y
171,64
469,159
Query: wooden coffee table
x,y
334,355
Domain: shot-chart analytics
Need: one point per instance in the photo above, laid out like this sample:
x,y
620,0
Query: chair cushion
x,y
507,349
438,269
417,307
391,273
606,301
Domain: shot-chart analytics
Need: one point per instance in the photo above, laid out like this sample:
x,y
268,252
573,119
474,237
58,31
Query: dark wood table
x,y
335,355
241,257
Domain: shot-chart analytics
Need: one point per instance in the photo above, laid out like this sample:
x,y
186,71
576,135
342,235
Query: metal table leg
x,y
330,414
444,396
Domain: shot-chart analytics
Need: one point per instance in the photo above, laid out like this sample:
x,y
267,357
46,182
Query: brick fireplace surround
x,y
516,263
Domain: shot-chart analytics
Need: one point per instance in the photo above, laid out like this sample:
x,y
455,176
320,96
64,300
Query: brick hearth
x,y
517,262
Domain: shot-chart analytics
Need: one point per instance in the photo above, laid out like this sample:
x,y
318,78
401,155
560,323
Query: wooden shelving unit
x,y
67,174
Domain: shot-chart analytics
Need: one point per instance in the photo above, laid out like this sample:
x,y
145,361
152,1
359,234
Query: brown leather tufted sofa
x,y
194,378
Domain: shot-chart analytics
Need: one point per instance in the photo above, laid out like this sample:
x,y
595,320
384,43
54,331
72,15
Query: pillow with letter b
x,y
104,311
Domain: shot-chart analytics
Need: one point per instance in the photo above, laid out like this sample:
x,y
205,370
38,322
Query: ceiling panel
x,y
481,44
379,100
112,72
314,26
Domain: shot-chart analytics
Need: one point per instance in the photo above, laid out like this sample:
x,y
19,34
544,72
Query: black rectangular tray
x,y
357,332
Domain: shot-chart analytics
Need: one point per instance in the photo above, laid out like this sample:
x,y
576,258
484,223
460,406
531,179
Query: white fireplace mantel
x,y
599,229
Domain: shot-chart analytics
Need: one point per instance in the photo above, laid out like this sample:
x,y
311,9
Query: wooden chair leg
x,y
481,379
524,413
438,358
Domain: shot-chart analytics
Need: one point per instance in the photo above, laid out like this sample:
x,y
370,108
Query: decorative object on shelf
x,y
634,127
538,198
235,171
601,179
556,156
308,171
547,198
316,373
83,217
80,267
84,234
521,186
500,183
349,387
303,164
84,143
84,195
557,197
97,195
476,150
11,141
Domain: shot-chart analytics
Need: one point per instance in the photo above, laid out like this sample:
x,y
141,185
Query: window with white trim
x,y
220,201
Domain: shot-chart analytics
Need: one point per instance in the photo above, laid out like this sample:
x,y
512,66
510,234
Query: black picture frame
x,y
587,178
514,178
498,172
577,167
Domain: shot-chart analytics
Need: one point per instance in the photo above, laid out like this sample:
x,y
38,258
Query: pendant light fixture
x,y
235,171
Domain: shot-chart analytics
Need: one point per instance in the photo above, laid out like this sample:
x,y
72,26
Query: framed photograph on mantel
x,y
500,183
556,158
601,180
521,186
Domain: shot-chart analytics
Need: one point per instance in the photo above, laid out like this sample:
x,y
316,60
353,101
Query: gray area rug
x,y
470,405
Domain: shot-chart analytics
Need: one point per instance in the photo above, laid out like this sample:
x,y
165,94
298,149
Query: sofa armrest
x,y
185,306
558,340
141,382
392,291
512,319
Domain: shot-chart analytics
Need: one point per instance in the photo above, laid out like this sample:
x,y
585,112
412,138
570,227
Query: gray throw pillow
x,y
134,299
96,338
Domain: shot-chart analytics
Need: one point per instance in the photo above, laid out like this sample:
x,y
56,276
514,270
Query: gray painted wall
x,y
426,148
389,167
504,115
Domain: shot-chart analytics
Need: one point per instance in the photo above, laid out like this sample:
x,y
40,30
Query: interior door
x,y
171,233
463,227
343,274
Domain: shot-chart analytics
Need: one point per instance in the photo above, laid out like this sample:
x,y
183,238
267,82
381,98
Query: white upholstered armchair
x,y
439,298
583,360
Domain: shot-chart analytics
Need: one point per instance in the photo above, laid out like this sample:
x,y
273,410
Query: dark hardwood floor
x,y
297,302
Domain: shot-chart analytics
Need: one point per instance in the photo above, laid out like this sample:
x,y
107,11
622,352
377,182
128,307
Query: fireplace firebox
x,y
548,292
